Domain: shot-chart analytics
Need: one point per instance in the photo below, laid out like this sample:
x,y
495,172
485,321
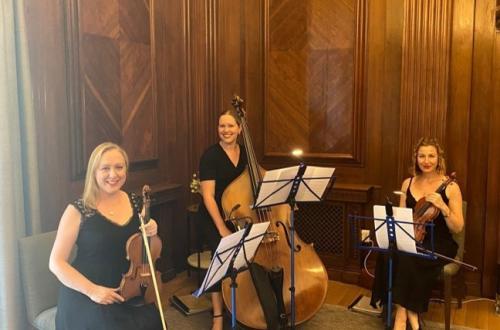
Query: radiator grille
x,y
322,224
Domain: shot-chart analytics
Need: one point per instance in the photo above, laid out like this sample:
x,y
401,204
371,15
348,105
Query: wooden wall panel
x,y
407,68
493,191
386,81
424,77
200,68
315,76
229,45
481,104
113,60
119,92
460,87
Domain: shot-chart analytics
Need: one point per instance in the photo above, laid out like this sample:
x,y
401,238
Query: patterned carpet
x,y
329,317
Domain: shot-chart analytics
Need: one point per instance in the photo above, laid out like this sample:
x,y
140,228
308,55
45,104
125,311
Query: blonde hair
x,y
91,189
424,142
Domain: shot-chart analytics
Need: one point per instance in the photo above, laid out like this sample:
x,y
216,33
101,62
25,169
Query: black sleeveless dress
x,y
415,277
101,257
216,165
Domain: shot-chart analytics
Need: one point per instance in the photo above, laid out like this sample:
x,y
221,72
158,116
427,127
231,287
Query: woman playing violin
x,y
220,164
99,224
415,277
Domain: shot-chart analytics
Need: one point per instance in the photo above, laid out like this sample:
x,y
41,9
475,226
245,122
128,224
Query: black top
x,y
216,165
101,257
443,240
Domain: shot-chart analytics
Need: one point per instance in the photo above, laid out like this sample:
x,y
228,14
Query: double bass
x,y
311,279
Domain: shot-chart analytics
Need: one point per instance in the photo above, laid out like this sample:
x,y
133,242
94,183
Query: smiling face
x,y
427,159
111,172
228,129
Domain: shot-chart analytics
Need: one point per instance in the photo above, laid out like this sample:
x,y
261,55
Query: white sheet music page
x,y
404,231
219,267
317,179
252,243
270,192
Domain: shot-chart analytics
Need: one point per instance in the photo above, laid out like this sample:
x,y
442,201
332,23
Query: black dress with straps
x,y
101,257
415,277
216,165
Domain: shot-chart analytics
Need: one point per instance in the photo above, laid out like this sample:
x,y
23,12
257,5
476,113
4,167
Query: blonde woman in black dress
x,y
100,224
415,277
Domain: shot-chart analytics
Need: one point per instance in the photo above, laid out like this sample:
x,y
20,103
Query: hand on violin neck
x,y
105,296
151,228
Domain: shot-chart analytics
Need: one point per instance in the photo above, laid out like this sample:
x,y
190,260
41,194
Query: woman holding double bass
x,y
272,259
220,164
429,188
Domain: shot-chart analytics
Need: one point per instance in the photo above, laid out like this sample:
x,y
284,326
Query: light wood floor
x,y
474,314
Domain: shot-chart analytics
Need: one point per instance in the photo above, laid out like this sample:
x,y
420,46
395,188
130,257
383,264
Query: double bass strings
x,y
255,176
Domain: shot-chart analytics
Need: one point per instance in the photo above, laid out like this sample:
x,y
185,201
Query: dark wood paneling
x,y
112,66
407,68
494,160
315,77
424,75
132,47
481,105
460,87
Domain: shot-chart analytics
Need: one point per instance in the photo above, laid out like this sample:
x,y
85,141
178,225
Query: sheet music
x,y
276,192
404,231
318,186
316,179
219,266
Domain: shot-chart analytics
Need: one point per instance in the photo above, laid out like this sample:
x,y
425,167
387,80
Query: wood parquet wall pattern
x,y
114,49
315,62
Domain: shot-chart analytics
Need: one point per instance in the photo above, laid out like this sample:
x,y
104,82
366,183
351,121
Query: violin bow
x,y
439,255
145,240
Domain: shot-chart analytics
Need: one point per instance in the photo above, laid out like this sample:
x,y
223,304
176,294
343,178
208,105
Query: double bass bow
x,y
274,252
142,251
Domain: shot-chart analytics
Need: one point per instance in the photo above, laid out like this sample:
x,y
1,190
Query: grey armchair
x,y
40,286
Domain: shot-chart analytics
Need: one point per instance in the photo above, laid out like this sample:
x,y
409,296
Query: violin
x,y
425,212
142,252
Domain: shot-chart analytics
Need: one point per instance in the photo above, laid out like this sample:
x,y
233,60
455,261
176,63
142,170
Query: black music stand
x,y
390,243
291,185
232,257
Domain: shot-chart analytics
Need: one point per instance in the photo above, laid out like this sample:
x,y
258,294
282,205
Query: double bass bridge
x,y
270,236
